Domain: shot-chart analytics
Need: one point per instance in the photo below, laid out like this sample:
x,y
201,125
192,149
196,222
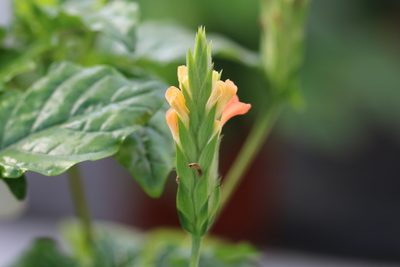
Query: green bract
x,y
71,115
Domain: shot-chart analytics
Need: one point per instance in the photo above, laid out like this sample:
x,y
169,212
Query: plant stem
x,y
81,206
195,257
249,151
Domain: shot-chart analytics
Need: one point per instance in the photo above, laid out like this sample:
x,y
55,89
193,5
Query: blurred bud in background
x,y
282,43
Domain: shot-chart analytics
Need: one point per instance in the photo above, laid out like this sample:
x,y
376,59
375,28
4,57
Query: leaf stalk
x,y
81,206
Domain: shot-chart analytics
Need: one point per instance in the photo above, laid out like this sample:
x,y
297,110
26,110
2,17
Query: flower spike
x,y
201,105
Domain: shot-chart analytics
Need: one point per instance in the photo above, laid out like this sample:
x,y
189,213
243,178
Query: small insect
x,y
196,167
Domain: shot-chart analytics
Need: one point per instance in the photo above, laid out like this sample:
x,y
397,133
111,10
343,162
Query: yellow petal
x,y
182,73
215,95
177,101
183,79
222,93
217,127
216,76
228,91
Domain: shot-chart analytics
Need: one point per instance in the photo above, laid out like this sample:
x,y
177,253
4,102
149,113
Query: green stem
x,y
249,151
195,257
81,206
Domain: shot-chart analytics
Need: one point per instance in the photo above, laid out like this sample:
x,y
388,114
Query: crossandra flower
x,y
199,107
223,98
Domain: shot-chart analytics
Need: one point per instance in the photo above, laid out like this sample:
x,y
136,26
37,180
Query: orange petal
x,y
172,93
172,120
234,108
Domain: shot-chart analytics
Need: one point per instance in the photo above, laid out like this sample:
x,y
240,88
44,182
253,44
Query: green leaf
x,y
44,253
243,251
171,248
149,154
164,43
71,115
13,62
34,19
114,246
116,21
120,246
7,100
18,187
84,31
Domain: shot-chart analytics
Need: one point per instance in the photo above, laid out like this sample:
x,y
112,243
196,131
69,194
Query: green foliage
x,y
18,187
115,22
171,248
90,33
71,115
114,246
44,253
13,62
118,246
83,31
148,154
